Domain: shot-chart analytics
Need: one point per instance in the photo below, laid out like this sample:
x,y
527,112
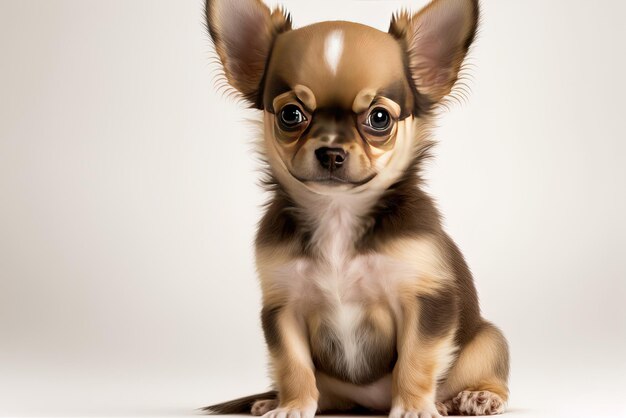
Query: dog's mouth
x,y
332,179
329,179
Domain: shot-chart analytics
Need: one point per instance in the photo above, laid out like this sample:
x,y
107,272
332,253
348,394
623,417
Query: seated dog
x,y
367,302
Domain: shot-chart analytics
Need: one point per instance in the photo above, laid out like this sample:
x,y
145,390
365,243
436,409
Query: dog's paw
x,y
307,411
427,412
478,403
263,406
444,408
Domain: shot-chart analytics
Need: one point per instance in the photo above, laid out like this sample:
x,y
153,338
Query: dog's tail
x,y
238,406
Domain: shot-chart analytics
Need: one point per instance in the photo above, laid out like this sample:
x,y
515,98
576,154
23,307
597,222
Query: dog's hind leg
x,y
477,382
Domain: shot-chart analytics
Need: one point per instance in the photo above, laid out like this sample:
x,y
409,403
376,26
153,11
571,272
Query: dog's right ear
x,y
243,32
436,40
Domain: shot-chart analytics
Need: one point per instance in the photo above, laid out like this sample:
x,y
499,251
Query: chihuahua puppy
x,y
367,302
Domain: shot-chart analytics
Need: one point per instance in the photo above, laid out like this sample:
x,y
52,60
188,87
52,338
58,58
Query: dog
x,y
368,305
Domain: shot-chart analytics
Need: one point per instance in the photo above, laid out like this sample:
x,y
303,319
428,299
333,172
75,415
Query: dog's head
x,y
343,103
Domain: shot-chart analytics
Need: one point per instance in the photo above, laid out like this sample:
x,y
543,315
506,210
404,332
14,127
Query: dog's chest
x,y
347,301
336,275
350,321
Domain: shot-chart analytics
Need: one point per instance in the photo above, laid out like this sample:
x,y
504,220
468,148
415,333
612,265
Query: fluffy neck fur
x,y
329,225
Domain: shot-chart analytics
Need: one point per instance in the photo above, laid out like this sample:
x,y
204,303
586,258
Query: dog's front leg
x,y
292,366
421,353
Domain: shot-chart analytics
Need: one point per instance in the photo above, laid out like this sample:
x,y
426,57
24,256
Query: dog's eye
x,y
379,119
291,116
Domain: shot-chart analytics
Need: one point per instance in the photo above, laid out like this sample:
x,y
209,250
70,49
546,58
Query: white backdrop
x,y
129,200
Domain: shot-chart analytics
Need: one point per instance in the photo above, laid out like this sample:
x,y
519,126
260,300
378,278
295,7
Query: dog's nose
x,y
331,158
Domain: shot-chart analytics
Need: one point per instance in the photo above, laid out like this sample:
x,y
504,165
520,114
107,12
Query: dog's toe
x,y
263,406
478,403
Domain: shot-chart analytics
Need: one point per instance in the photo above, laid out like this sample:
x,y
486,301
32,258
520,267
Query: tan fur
x,y
482,366
268,260
291,364
426,258
306,46
421,360
382,318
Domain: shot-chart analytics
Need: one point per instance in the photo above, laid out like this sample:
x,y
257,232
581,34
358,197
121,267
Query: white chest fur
x,y
338,274
338,284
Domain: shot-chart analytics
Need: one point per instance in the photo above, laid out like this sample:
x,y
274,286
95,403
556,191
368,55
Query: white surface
x,y
128,203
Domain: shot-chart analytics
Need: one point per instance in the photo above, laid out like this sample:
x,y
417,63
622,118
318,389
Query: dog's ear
x,y
436,40
243,32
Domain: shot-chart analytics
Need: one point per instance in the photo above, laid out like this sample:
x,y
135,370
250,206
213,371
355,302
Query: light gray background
x,y
128,205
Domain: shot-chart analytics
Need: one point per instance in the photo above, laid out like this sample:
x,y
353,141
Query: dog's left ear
x,y
243,32
436,40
